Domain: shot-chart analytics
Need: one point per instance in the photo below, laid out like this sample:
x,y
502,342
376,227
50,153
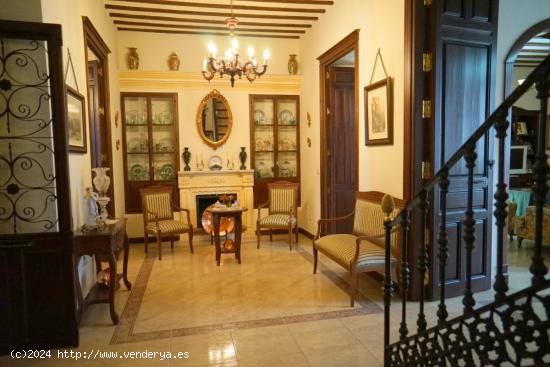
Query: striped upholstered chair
x,y
158,217
282,206
362,250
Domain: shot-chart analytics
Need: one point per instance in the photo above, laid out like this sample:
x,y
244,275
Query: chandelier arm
x,y
212,64
264,69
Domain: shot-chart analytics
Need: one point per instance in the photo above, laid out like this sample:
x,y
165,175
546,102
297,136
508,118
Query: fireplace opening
x,y
204,201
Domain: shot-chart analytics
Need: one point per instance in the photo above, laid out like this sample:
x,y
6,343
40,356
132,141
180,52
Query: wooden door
x,y
341,153
37,293
464,50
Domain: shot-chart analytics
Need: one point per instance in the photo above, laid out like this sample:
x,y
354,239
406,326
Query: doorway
x,y
526,54
339,130
97,79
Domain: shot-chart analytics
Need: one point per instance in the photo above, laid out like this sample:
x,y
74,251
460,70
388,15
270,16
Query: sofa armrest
x,y
322,221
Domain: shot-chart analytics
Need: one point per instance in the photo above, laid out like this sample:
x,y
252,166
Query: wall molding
x,y
137,79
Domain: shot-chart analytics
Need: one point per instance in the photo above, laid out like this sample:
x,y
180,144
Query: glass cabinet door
x,y
137,138
264,138
287,153
164,143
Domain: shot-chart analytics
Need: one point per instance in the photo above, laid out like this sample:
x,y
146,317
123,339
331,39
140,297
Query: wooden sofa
x,y
363,249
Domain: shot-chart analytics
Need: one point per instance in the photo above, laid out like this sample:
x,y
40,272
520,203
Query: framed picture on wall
x,y
379,113
76,120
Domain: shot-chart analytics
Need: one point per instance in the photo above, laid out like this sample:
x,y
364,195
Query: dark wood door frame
x,y
94,42
346,45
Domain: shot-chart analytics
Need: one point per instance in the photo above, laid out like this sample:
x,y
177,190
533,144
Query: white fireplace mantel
x,y
240,182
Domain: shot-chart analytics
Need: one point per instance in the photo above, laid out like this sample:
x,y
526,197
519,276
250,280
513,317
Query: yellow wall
x,y
69,14
381,25
188,83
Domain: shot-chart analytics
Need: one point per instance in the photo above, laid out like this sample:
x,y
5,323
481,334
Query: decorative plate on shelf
x,y
259,116
215,163
286,117
138,173
166,172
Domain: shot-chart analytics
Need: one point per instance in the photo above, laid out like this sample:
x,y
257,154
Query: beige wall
x,y
153,50
69,14
381,25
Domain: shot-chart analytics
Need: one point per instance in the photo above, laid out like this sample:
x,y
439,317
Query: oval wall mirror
x,y
214,119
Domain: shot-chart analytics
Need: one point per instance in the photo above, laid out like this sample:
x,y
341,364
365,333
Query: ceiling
x,y
257,18
534,51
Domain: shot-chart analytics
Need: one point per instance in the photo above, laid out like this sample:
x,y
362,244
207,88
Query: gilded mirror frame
x,y
214,144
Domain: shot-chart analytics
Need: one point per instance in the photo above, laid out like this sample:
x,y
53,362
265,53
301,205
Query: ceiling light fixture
x,y
231,64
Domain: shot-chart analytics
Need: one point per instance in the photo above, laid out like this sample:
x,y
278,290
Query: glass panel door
x,y
264,138
137,141
164,139
287,138
28,190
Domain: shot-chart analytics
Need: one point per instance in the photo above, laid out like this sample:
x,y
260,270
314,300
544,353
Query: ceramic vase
x,y
292,65
174,62
101,180
186,155
242,157
132,58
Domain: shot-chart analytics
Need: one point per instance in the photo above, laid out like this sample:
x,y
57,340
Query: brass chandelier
x,y
231,63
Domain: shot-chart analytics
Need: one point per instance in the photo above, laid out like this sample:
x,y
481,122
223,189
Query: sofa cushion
x,y
341,248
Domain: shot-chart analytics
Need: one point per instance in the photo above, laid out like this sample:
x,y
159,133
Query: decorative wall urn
x,y
242,157
174,62
132,58
292,65
186,155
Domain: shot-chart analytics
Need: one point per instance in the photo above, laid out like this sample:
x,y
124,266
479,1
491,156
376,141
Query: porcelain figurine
x,y
242,157
132,58
174,62
292,65
92,213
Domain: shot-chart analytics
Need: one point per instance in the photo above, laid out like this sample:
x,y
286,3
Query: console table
x,y
229,247
106,245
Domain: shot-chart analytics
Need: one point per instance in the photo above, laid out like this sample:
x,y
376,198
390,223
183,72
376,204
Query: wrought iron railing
x,y
512,330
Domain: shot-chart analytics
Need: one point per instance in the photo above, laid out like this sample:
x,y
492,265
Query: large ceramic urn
x,y
101,180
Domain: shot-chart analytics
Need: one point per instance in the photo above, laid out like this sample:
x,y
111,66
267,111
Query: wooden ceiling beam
x,y
309,2
131,29
210,14
224,6
222,29
206,21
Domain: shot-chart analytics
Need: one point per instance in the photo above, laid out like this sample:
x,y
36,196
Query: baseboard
x,y
306,233
153,239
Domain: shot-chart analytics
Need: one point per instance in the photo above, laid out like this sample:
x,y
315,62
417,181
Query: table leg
x,y
238,231
112,287
80,299
125,263
216,220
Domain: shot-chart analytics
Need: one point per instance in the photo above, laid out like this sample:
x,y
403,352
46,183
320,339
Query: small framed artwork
x,y
76,121
379,113
521,128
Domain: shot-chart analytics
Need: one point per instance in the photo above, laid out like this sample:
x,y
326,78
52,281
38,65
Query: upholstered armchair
x,y
158,217
525,225
512,209
363,249
282,205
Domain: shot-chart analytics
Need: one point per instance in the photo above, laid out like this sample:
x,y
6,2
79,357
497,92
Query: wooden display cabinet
x,y
150,144
274,141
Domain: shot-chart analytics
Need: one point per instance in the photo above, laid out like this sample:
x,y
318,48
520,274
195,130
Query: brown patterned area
x,y
124,330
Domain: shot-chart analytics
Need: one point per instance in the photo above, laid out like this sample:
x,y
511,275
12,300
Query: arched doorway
x,y
524,56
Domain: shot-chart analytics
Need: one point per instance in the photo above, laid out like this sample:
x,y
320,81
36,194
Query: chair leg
x,y
290,237
296,228
159,242
191,240
520,240
315,256
258,235
353,285
270,234
172,244
146,241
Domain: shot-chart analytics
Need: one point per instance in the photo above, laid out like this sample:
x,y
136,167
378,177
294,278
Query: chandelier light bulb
x,y
267,55
229,54
212,49
234,44
250,52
